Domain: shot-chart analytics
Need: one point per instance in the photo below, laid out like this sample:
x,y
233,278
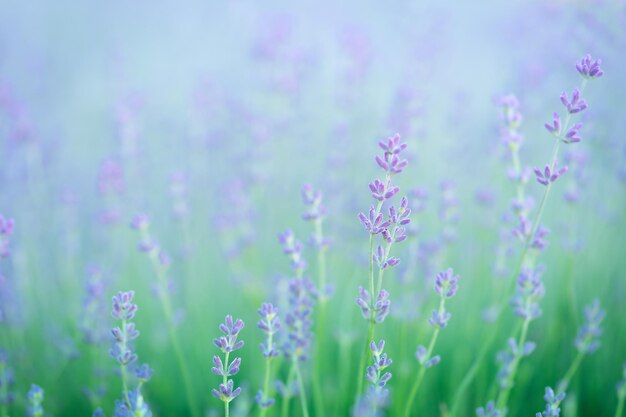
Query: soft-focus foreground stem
x,y
503,395
303,401
422,372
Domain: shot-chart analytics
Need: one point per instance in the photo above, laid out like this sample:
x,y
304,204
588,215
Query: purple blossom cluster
x,y
588,336
132,404
376,398
391,228
293,249
489,410
299,322
227,343
7,227
553,402
529,291
35,400
269,325
508,360
563,131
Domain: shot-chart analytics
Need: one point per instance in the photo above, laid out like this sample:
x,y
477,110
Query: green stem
x,y
564,383
266,384
285,405
422,372
503,396
224,381
123,367
303,402
620,406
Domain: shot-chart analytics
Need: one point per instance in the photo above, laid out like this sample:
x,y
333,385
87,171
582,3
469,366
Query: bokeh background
x,y
209,117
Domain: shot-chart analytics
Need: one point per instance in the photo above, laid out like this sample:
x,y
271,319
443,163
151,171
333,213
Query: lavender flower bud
x,y
576,104
490,410
446,283
589,69
548,176
555,127
552,403
588,337
228,342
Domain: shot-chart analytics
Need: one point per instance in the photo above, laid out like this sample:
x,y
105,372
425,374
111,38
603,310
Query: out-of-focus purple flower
x,y
111,178
553,401
144,373
588,337
539,241
292,248
377,396
7,379
302,296
421,354
446,283
35,401
313,200
549,175
140,222
489,410
575,104
269,324
589,68
572,135
529,291
7,227
507,360
136,406
92,318
124,310
555,127
379,311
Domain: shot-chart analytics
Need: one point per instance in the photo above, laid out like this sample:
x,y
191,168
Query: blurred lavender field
x,y
215,156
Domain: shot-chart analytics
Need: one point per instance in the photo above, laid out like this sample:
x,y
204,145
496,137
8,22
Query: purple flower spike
x,y
269,324
446,283
576,104
553,401
392,146
374,223
228,342
548,176
589,69
555,127
439,318
123,308
588,337
572,134
379,311
313,200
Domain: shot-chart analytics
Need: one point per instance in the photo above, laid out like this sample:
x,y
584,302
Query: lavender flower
x,y
446,285
489,410
302,295
374,223
572,135
588,68
376,397
555,126
91,320
508,360
588,337
292,248
549,175
575,104
124,310
35,399
227,343
529,291
7,227
269,324
133,404
552,403
376,311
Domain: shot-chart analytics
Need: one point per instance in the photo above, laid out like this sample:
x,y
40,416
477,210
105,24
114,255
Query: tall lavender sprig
x,y
123,310
377,395
35,400
446,287
316,213
553,401
227,343
587,340
160,263
269,325
374,304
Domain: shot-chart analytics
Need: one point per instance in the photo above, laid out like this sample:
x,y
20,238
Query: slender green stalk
x,y
564,383
422,372
169,319
471,373
370,328
503,395
285,405
266,382
224,381
123,366
303,401
620,406
321,319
